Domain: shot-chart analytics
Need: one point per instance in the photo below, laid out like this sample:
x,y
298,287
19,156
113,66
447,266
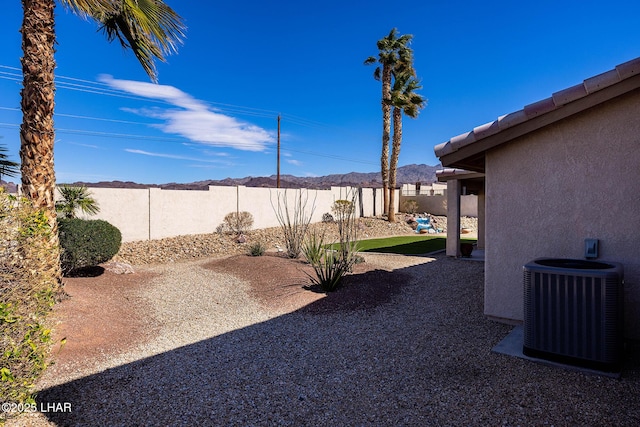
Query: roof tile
x,y
462,140
569,95
486,129
453,172
601,81
511,119
628,68
540,107
443,149
558,99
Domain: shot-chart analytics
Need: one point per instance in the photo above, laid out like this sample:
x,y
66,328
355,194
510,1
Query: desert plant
x,y
327,217
343,211
410,206
313,247
86,243
257,249
294,220
347,224
74,198
329,266
342,207
28,289
238,222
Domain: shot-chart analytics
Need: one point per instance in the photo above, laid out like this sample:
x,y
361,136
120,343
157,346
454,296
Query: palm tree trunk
x,y
384,158
386,135
393,166
36,131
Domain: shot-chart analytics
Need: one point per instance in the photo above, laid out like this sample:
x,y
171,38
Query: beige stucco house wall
x,y
563,170
549,190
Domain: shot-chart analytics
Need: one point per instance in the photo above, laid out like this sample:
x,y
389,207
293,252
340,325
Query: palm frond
x,y
377,74
150,28
7,167
404,97
370,60
89,8
74,198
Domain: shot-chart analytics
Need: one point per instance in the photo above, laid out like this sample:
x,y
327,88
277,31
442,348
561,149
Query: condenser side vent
x,y
574,315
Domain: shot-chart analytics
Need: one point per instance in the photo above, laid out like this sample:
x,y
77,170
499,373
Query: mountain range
x,y
409,174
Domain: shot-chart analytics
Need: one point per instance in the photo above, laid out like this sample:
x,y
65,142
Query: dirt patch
x,y
102,315
282,285
105,314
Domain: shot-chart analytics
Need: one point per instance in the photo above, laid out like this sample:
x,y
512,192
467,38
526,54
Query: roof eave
x,y
471,156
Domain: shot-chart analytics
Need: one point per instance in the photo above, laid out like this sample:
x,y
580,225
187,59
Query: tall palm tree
x,y
149,28
404,99
392,49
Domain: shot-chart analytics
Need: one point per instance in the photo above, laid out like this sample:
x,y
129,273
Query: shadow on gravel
x,y
422,359
93,271
365,288
359,292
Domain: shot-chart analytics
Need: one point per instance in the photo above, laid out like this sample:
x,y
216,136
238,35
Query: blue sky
x,y
213,113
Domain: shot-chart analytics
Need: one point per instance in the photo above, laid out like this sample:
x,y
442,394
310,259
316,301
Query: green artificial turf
x,y
405,245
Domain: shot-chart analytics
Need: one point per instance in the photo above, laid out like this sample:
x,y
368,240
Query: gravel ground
x,y
422,359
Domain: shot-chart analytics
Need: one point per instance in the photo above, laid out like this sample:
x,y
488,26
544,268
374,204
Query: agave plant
x,y
329,266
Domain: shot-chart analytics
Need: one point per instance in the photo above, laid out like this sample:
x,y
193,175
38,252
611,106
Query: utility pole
x,y
278,173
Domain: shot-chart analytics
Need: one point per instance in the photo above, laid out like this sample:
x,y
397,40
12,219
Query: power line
x,y
330,156
169,139
103,89
98,88
75,116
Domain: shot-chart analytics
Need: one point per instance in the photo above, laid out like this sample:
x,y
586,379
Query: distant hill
x,y
9,187
409,174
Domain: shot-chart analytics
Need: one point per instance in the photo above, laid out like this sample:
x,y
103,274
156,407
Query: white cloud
x,y
294,162
194,119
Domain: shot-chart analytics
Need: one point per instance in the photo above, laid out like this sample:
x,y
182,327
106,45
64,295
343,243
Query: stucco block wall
x,y
152,213
174,212
549,190
126,208
437,205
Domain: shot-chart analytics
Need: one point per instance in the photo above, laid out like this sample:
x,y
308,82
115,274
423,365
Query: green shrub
x,y
28,287
257,249
86,243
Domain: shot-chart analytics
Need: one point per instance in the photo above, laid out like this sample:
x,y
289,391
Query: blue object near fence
x,y
423,224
